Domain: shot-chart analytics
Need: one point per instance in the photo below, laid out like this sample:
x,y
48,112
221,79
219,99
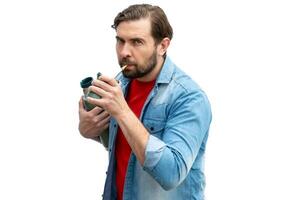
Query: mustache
x,y
126,62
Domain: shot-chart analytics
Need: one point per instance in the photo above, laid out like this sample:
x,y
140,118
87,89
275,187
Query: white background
x,y
244,54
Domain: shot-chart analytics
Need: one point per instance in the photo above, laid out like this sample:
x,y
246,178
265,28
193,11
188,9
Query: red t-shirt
x,y
136,97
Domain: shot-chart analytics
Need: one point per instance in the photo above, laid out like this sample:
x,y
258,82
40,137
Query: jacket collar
x,y
166,72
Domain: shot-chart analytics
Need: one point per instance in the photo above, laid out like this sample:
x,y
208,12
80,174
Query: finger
x,y
103,115
97,110
97,102
81,108
104,122
107,119
108,80
104,126
99,91
103,85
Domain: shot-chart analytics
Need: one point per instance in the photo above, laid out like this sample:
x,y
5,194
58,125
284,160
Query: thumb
x,y
81,108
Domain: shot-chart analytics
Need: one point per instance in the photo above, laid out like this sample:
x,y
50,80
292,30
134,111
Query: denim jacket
x,y
177,115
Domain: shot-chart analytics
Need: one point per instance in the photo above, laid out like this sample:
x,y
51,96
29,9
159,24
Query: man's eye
x,y
137,42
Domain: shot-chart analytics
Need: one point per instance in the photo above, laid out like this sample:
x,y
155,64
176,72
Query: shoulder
x,y
184,85
179,91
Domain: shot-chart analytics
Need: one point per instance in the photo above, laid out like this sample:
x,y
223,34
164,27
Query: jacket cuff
x,y
153,153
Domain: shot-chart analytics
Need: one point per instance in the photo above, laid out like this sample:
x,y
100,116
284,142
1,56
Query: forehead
x,y
135,28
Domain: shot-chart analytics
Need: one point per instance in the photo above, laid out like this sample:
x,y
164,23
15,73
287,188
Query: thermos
x,y
85,83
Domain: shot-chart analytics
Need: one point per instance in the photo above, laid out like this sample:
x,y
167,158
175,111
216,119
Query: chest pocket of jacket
x,y
155,127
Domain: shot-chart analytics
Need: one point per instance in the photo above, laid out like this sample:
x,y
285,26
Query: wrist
x,y
123,115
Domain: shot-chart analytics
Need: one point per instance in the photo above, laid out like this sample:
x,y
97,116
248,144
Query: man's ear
x,y
163,46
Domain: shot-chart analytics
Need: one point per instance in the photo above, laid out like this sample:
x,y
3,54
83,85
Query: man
x,y
158,117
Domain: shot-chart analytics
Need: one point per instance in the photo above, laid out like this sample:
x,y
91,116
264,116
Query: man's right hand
x,y
93,122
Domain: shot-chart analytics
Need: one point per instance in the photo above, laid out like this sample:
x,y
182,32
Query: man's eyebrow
x,y
119,38
137,38
131,39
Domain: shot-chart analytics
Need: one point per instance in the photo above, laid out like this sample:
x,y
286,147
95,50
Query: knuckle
x,y
106,114
93,88
105,104
95,120
100,109
98,125
114,91
88,115
109,79
110,97
95,82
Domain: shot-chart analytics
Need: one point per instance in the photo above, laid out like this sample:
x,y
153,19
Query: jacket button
x,y
151,128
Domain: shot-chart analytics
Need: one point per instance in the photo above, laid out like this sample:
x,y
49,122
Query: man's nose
x,y
125,51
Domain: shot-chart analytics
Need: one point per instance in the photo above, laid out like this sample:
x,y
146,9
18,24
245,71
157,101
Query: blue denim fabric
x,y
177,114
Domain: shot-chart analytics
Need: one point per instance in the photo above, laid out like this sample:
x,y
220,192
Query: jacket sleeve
x,y
169,159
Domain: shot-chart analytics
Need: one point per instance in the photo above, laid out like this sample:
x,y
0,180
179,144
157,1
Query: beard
x,y
139,70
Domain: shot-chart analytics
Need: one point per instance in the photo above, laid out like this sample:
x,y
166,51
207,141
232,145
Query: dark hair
x,y
160,26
